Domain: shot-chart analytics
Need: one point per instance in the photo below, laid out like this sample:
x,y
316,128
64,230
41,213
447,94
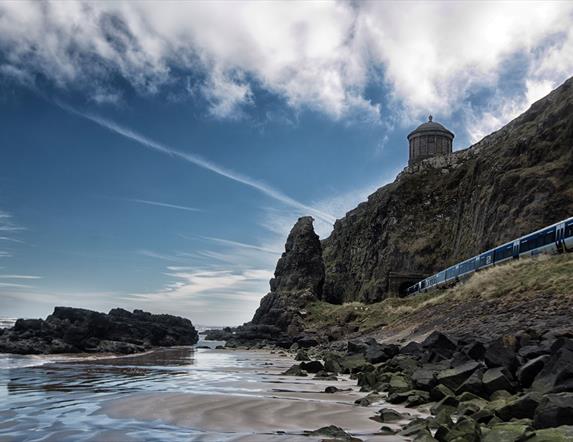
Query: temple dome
x,y
430,126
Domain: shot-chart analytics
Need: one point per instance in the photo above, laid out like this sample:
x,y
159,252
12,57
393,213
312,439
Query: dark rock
x,y
295,370
465,429
72,330
331,389
506,432
357,347
333,363
412,348
415,428
473,384
447,403
424,379
522,407
454,377
527,372
554,410
476,350
417,397
439,392
366,401
440,344
333,433
563,433
399,382
301,355
497,379
557,374
533,351
502,353
389,415
312,366
306,341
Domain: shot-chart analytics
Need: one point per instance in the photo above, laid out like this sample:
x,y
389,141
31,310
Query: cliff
x,y
299,277
446,209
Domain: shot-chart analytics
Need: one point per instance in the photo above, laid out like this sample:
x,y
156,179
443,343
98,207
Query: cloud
x,y
200,162
241,244
20,277
159,204
426,56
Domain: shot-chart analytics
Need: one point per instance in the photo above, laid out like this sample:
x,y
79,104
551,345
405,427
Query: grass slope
x,y
532,294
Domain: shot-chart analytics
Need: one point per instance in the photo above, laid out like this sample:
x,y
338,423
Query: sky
x,y
155,155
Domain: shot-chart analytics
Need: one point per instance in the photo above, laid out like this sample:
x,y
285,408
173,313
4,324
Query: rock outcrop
x,y
445,209
299,277
74,330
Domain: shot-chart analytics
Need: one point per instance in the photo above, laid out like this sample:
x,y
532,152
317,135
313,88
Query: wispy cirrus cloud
x,y
260,186
20,277
240,244
161,204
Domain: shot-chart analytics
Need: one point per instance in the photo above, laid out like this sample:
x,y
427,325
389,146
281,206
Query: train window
x,y
547,237
503,252
527,244
569,229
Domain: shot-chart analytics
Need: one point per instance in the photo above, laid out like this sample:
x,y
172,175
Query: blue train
x,y
557,238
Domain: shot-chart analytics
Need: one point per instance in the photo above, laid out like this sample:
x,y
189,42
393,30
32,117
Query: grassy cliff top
x,y
530,293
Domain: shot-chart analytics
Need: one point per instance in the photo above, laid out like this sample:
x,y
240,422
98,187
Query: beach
x,y
181,393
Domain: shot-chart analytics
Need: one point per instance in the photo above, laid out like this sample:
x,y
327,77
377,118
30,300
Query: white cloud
x,y
320,55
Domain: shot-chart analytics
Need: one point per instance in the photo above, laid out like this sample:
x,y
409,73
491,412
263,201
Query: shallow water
x,y
47,398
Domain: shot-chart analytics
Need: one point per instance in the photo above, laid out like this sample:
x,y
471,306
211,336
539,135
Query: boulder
x,y
389,415
412,348
502,353
454,377
295,370
333,363
473,384
424,379
439,344
332,432
528,371
476,350
439,392
301,355
312,366
563,433
554,410
557,373
522,407
496,379
506,432
399,382
465,429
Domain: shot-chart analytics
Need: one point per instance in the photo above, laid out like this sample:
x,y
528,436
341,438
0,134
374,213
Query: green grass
x,y
513,281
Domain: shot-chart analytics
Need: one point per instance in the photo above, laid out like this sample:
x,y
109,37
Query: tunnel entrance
x,y
398,282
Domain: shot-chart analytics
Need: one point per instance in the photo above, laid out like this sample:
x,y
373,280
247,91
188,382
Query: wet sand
x,y
261,405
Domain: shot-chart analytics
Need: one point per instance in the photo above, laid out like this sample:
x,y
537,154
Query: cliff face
x,y
446,209
299,278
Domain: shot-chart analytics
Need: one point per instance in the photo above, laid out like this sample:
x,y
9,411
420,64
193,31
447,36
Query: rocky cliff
x,y
446,209
299,278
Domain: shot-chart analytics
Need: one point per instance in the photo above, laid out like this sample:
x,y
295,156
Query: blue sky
x,y
156,157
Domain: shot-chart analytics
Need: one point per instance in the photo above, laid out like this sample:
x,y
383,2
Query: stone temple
x,y
428,140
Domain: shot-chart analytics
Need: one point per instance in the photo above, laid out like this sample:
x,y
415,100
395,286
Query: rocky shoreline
x,y
514,388
74,330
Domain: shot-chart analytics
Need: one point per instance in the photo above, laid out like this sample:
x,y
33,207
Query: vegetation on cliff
x,y
524,294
